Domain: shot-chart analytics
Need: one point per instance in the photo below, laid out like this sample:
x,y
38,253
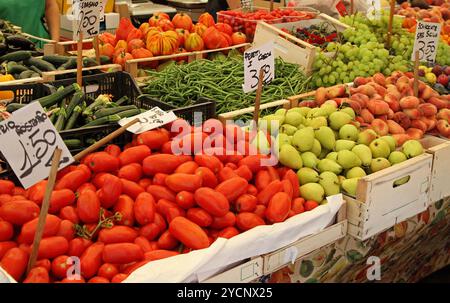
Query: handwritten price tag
x,y
87,15
246,4
426,41
255,59
28,140
149,120
374,10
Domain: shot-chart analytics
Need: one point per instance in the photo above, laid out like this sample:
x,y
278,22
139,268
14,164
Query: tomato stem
x,y
103,222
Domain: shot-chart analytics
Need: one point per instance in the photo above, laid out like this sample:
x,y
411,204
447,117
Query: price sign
x,y
374,10
426,41
87,15
28,140
102,9
246,4
255,59
149,120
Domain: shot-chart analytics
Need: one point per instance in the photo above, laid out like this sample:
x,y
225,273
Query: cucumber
x,y
56,60
11,107
71,64
72,143
52,99
103,120
128,113
41,64
20,42
26,74
114,110
36,70
17,69
16,56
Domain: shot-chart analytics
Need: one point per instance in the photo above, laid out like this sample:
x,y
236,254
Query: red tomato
x,y
5,198
278,207
73,180
131,172
91,260
297,205
187,168
160,254
214,202
221,222
37,275
69,213
108,271
6,231
160,179
131,188
209,179
292,177
60,266
145,182
150,231
77,246
199,216
86,186
113,150
111,190
144,208
134,154
119,278
6,187
310,205
52,247
5,246
260,210
246,221
14,262
19,212
228,232
88,207
66,230
103,162
51,227
122,253
183,182
185,199
244,172
125,207
143,243
154,139
98,280
268,192
159,220
246,203
117,234
188,233
167,241
61,198
174,212
252,190
211,162
44,263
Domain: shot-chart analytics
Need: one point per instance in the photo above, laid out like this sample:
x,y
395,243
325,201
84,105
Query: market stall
x,y
274,144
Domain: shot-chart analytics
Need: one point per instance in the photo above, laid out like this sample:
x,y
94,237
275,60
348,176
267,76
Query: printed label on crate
x,y
374,10
426,41
28,140
149,120
255,59
87,15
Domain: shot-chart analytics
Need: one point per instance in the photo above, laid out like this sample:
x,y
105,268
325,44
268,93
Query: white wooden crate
x,y
440,183
378,205
242,273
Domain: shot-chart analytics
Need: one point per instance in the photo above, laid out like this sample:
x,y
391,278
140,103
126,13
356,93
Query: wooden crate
x,y
297,98
236,113
271,262
289,47
440,149
51,76
379,205
131,66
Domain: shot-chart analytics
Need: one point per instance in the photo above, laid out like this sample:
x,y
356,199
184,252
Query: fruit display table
x,y
408,252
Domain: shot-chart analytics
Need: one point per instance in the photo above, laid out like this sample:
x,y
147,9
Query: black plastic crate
x,y
27,92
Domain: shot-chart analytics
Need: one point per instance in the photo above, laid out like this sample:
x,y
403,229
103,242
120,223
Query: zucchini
x,y
73,118
16,56
36,70
72,143
113,110
129,113
52,99
10,64
103,120
41,64
17,69
124,99
20,41
26,74
89,62
77,98
59,125
105,60
71,64
11,107
56,60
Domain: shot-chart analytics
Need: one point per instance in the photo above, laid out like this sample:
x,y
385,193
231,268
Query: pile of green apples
x,y
331,152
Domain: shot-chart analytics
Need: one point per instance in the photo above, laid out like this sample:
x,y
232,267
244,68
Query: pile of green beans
x,y
221,80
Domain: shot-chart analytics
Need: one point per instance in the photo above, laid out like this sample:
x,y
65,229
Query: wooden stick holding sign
x,y
258,96
80,60
104,140
97,50
391,20
416,74
44,208
351,7
271,5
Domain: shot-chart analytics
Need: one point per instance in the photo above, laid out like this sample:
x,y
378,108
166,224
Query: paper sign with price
x,y
374,9
28,140
255,59
426,41
149,120
87,15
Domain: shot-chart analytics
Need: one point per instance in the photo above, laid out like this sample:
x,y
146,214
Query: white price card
x,y
28,140
149,120
87,15
374,9
426,41
246,4
255,59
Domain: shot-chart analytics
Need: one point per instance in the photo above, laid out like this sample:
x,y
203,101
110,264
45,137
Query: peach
x,y
444,113
427,109
414,133
359,119
392,89
353,90
380,127
395,128
360,98
443,127
366,115
409,102
390,114
381,90
412,113
378,107
400,138
358,81
402,119
379,78
392,101
403,84
419,124
438,102
336,91
332,102
429,121
308,103
354,105
320,96
366,90
427,93
382,117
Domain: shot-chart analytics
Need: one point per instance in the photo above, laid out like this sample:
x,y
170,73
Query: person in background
x,y
36,17
215,6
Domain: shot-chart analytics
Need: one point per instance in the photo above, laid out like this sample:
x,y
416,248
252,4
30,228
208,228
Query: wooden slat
x,y
22,81
51,76
230,115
